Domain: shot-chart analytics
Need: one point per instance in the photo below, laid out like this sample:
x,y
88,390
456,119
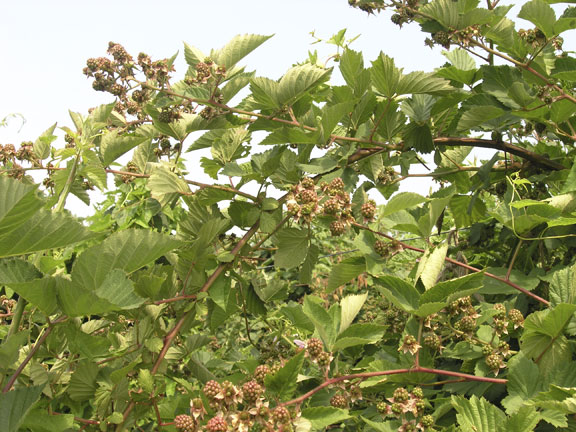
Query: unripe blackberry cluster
x,y
118,75
185,423
387,176
217,424
495,362
409,407
260,373
369,210
535,37
306,201
251,391
281,415
314,347
432,341
212,389
339,401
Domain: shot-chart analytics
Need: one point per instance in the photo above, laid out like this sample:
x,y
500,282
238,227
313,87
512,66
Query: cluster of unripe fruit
x,y
117,75
459,321
236,408
409,407
306,201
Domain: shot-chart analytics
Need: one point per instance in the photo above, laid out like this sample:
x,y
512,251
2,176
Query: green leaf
x,y
431,265
422,82
379,426
119,290
289,135
93,169
18,203
419,138
243,214
345,271
525,420
292,247
10,348
320,417
466,210
402,201
15,404
16,271
498,82
359,334
42,144
539,13
543,338
83,381
453,289
44,230
353,71
321,319
283,383
350,307
400,293
193,55
478,415
113,145
126,250
297,317
524,382
570,184
478,115
299,80
42,293
563,286
238,48
418,108
39,420
385,75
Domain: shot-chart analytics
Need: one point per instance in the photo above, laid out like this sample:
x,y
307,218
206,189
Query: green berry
x,y
314,347
337,228
369,210
401,395
381,248
338,401
281,415
427,420
417,392
260,373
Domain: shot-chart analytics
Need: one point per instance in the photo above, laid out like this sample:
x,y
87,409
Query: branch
x,y
461,264
416,369
31,353
502,146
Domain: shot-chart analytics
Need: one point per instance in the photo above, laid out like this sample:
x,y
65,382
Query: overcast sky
x,y
44,45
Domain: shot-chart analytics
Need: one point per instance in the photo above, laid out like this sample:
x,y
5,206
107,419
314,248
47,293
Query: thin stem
x,y
365,375
68,186
513,260
17,318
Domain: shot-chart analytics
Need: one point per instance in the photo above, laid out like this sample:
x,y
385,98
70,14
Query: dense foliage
x,y
281,297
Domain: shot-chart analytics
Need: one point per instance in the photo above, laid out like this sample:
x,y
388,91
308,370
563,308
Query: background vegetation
x,y
281,297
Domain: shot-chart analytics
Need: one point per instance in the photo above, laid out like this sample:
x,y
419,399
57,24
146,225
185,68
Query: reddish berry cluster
x,y
185,423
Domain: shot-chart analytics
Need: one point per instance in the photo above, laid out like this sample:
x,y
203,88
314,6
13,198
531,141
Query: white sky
x,y
44,45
